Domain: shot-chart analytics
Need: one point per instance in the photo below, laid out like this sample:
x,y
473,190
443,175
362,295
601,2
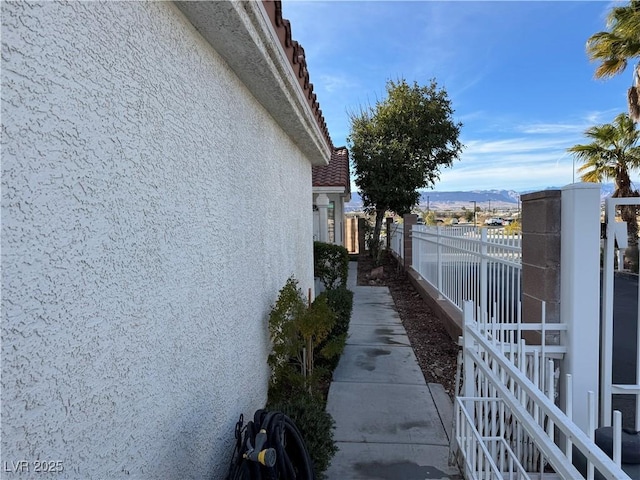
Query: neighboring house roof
x,y
336,174
295,54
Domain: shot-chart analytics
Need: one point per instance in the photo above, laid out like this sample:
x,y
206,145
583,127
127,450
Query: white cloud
x,y
335,82
508,176
515,145
595,118
470,116
537,159
551,128
353,47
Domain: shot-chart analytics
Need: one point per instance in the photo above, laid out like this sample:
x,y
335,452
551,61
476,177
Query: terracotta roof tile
x,y
295,54
336,174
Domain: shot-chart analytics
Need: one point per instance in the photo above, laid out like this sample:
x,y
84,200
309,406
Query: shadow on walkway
x,y
390,424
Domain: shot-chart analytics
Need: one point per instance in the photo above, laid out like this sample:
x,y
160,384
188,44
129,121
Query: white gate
x,y
615,231
507,424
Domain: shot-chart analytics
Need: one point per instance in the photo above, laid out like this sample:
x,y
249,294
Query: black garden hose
x,y
254,455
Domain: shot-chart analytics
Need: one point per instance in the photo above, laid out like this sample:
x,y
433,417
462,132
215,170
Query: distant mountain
x,y
606,190
494,199
478,196
450,200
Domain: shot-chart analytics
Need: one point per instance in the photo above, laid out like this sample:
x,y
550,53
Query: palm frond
x,y
614,48
591,176
612,153
610,68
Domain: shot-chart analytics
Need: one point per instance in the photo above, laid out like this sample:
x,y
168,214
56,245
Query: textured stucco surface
x,y
151,211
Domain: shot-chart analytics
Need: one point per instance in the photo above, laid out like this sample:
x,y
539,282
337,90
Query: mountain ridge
x,y
495,199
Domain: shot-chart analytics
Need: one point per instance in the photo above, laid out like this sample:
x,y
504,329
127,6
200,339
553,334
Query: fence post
x,y
541,256
410,219
580,291
351,231
469,382
484,275
439,260
416,252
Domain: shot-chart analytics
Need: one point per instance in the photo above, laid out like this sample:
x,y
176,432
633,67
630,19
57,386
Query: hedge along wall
x,y
142,197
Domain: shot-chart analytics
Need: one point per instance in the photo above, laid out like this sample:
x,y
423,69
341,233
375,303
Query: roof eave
x,y
244,35
337,189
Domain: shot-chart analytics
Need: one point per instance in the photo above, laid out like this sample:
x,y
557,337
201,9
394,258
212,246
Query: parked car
x,y
494,222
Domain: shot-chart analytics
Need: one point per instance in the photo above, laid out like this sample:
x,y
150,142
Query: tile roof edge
x,y
295,55
336,174
243,34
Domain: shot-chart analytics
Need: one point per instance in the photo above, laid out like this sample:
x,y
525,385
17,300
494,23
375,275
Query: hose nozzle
x,y
266,457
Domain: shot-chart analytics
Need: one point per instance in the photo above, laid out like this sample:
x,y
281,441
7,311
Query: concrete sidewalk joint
x,y
390,424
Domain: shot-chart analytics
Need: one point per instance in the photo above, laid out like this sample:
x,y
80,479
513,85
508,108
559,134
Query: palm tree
x,y
613,154
615,47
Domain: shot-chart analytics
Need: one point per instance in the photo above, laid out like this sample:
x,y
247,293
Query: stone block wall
x,y
541,255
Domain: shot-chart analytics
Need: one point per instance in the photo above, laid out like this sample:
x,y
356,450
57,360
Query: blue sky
x,y
517,74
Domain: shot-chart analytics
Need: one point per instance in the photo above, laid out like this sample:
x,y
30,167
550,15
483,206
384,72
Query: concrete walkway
x,y
390,424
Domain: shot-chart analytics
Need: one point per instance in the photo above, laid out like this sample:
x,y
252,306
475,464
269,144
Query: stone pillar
x,y
410,220
362,247
389,223
580,292
541,256
322,202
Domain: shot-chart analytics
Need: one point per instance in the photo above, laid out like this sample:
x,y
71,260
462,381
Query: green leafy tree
x,y
613,154
616,46
399,146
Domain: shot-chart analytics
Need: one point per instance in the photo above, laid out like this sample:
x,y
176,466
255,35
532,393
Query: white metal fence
x,y
464,263
507,424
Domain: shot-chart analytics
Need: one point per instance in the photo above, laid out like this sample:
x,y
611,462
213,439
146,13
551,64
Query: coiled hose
x,y
270,447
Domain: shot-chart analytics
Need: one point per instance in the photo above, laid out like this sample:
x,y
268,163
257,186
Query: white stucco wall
x,y
143,241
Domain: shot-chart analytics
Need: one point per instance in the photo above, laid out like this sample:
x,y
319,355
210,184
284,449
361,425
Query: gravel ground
x,y
434,349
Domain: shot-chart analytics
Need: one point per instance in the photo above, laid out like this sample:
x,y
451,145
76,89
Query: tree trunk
x,y
634,96
374,248
628,213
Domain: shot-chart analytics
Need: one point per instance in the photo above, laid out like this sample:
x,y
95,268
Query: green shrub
x,y
340,300
330,264
315,425
296,333
307,343
513,228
